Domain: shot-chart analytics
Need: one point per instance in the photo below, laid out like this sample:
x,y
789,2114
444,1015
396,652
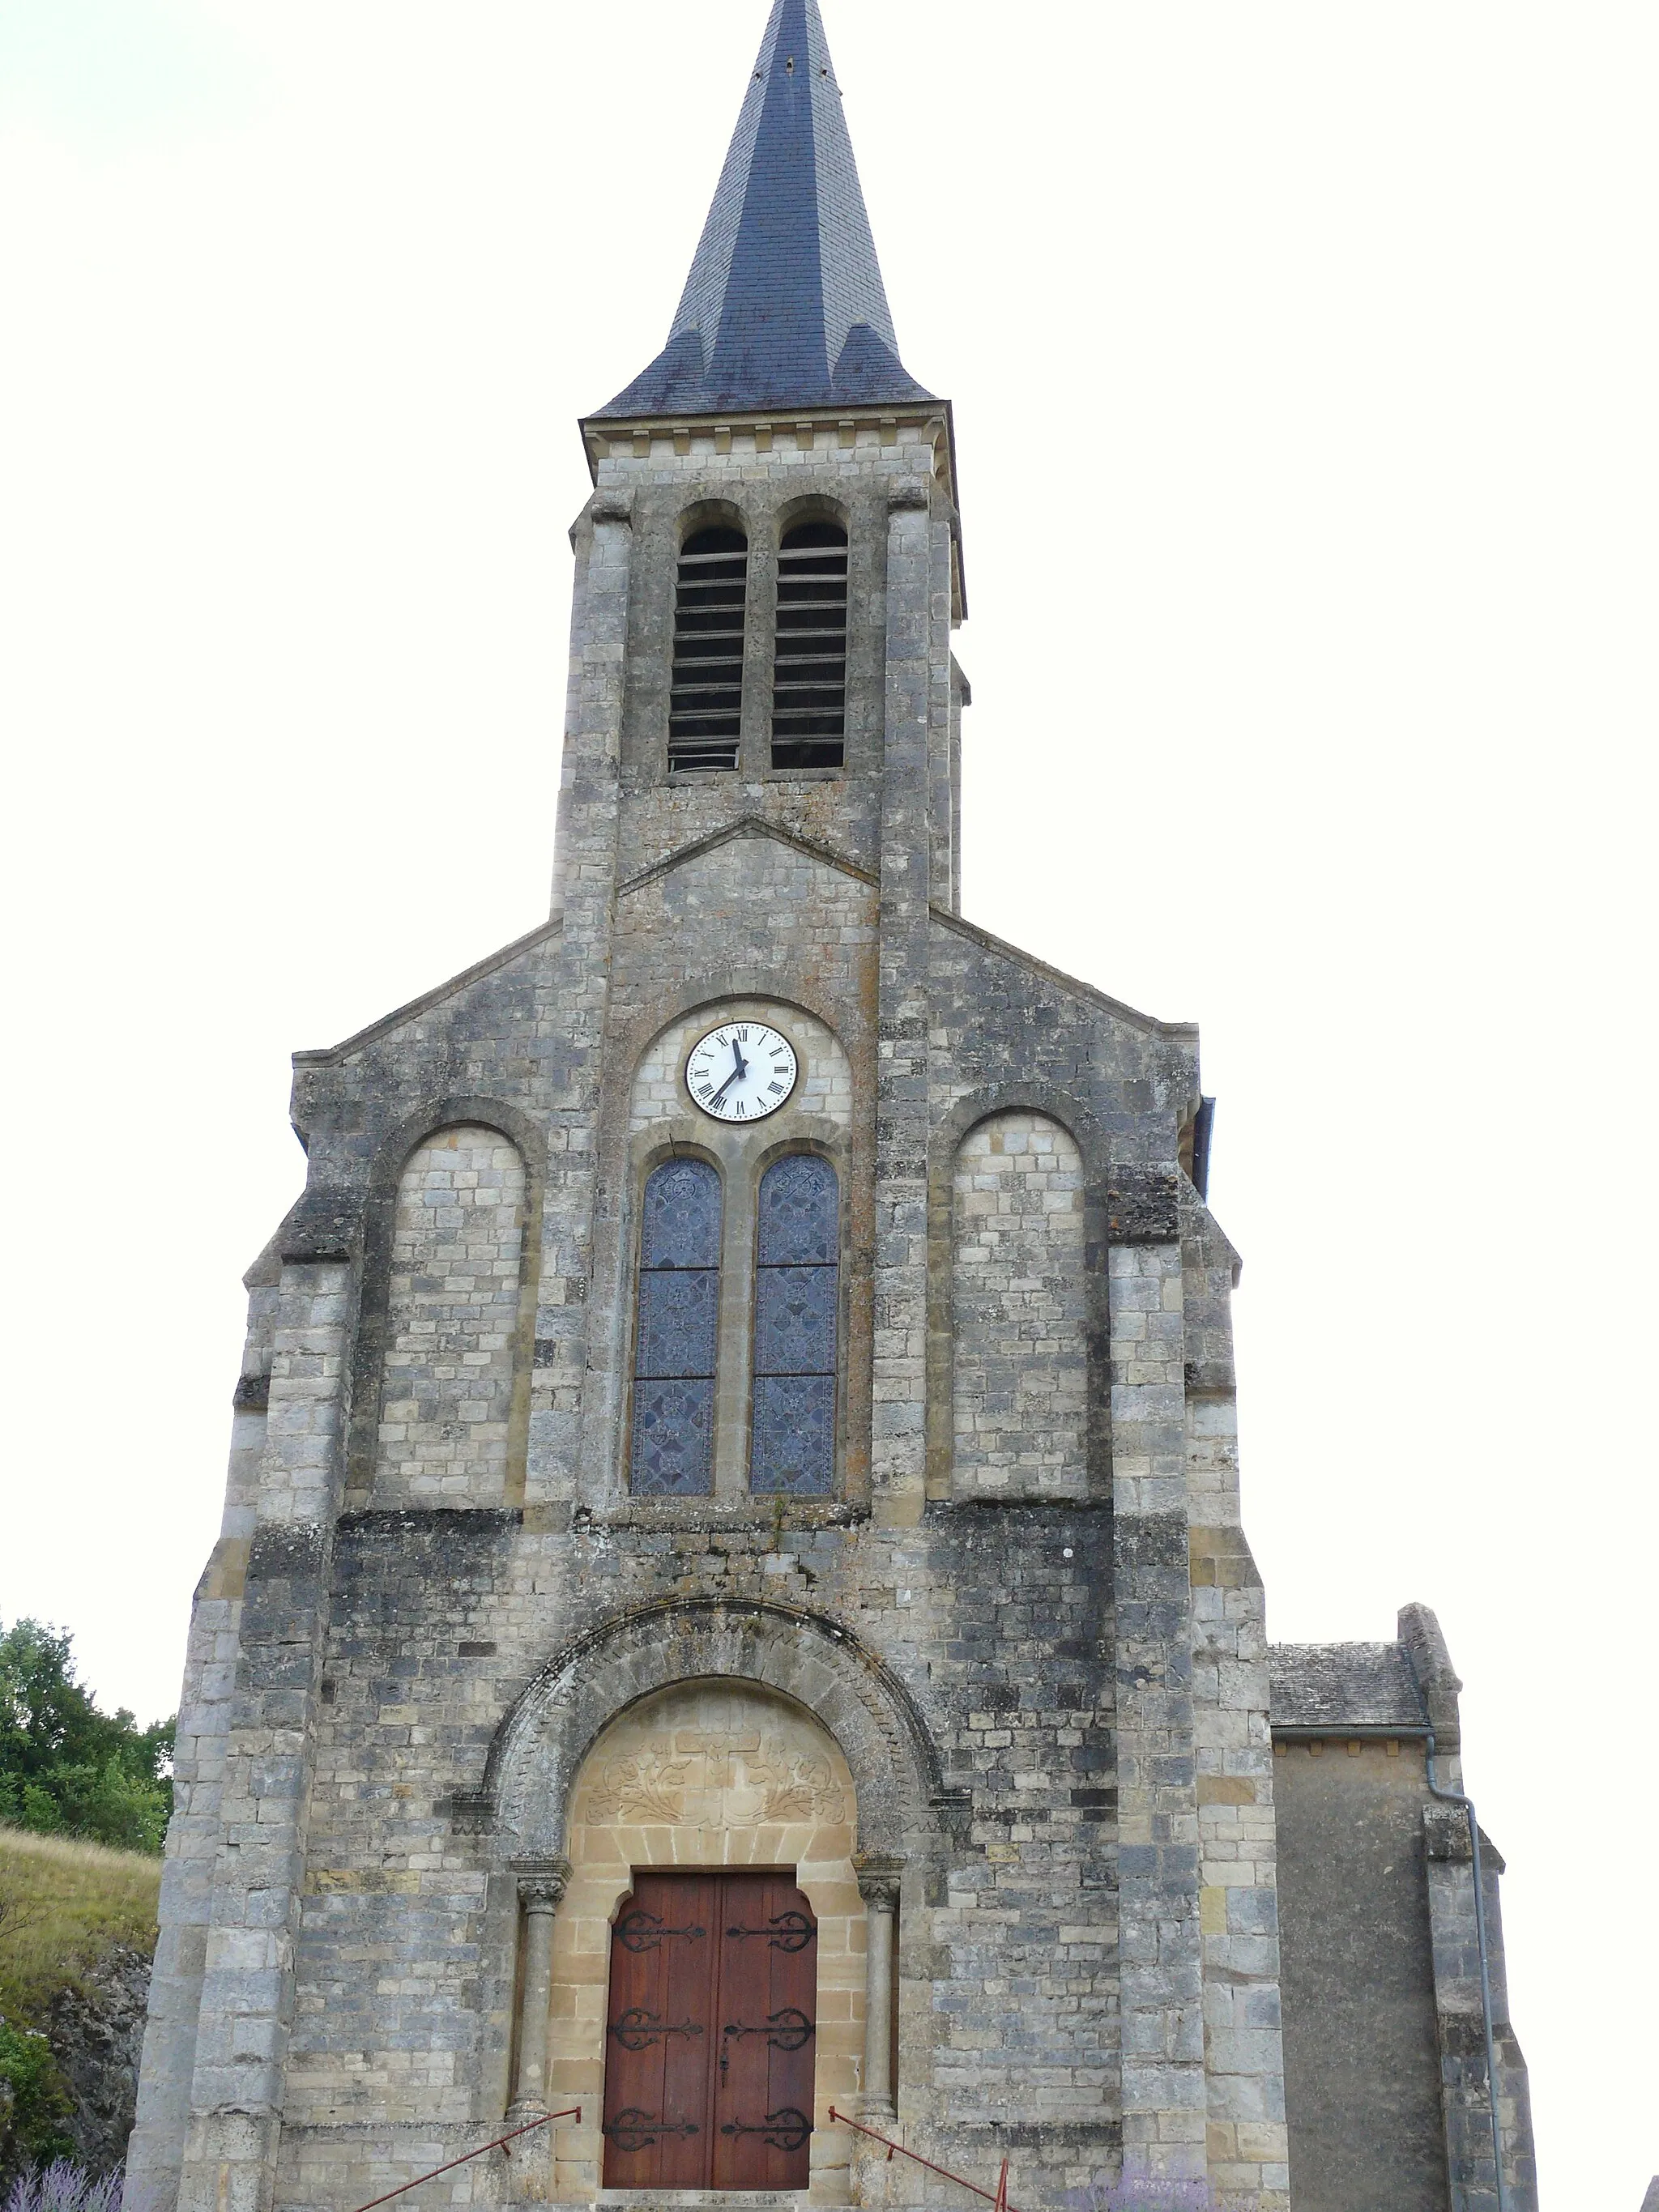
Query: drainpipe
x,y
1425,1736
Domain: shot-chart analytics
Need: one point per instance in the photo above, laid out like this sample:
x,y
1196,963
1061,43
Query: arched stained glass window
x,y
797,1281
674,1344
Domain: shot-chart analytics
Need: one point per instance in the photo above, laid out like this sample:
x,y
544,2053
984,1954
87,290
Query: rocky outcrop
x,y
96,2029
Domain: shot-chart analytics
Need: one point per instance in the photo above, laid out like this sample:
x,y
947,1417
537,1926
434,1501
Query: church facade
x,y
732,1614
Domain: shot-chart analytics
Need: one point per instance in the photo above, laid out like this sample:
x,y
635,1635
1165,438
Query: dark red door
x,y
710,2034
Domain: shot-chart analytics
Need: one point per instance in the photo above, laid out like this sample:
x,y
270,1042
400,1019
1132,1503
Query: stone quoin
x,y
732,1597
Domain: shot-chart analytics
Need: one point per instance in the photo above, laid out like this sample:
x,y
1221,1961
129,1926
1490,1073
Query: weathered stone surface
x,y
1022,1634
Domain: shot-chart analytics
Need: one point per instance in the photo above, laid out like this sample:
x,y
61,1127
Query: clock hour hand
x,y
740,1067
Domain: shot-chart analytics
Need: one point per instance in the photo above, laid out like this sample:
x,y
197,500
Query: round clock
x,y
741,1072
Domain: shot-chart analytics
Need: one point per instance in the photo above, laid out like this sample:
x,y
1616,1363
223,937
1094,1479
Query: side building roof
x,y
1343,1685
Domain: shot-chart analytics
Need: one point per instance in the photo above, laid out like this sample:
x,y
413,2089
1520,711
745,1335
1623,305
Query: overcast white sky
x,y
1304,357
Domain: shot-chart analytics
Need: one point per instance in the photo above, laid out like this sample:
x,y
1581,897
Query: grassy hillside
x,y
61,1904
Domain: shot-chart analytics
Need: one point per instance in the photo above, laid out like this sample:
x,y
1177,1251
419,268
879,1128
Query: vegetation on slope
x,y
67,1769
62,1905
65,1907
77,1912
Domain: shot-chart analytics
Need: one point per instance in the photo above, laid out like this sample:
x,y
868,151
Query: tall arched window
x,y
808,679
705,706
797,1279
674,1343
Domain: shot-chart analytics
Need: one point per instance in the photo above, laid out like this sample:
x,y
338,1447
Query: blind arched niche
x,y
1019,1350
445,1432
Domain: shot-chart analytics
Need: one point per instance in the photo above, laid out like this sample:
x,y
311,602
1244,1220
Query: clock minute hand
x,y
716,1098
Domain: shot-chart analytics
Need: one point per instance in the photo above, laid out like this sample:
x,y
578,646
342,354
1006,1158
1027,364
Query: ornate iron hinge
x,y
643,1931
636,2129
785,2131
636,2029
787,1931
788,2030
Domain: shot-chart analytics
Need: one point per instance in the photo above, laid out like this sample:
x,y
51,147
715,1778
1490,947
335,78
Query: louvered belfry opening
x,y
705,707
809,682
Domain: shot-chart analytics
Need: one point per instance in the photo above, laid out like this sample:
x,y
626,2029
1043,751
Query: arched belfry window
x,y
797,1282
705,707
809,680
674,1342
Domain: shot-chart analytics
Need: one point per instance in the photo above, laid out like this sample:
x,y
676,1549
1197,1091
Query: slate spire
x,y
785,305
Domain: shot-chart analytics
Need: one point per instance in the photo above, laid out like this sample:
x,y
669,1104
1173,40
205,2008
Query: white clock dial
x,y
741,1072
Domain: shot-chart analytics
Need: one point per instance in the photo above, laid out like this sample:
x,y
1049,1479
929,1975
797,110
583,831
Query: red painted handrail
x,y
999,2198
500,2143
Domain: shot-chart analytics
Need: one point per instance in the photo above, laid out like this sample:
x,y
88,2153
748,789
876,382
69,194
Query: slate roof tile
x,y
784,306
1339,1685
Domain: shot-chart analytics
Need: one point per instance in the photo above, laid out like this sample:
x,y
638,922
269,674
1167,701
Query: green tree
x,y
35,2100
66,1768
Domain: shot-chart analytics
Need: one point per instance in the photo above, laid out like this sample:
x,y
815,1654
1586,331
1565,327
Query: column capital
x,y
879,1879
541,1883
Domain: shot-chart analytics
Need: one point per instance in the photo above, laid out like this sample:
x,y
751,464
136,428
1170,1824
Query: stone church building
x,y
733,1604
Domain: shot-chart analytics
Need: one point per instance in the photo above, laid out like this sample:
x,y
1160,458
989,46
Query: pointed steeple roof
x,y
785,305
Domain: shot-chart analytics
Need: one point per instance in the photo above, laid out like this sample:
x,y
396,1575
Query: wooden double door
x,y
711,2033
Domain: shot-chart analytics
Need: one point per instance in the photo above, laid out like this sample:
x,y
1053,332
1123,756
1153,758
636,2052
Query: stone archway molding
x,y
903,1799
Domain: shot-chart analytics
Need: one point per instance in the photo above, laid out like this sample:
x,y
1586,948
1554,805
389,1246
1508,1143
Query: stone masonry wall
x,y
1019,1311
447,1396
1238,1898
998,1623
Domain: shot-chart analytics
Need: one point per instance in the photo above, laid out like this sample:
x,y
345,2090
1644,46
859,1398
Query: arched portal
x,y
701,1802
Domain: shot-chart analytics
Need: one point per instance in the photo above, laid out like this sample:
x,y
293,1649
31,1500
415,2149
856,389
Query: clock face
x,y
741,1072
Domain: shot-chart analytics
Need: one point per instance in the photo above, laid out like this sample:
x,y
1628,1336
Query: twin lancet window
x,y
809,671
791,1428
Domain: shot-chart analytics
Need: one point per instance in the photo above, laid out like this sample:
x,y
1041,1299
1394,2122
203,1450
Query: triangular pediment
x,y
746,825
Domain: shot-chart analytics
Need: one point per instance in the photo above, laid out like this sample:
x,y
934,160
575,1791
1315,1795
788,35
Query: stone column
x,y
878,1886
538,1899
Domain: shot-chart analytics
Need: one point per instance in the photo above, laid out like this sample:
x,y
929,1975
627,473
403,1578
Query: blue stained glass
x,y
674,1430
795,1321
792,1447
799,1212
682,1223
679,1310
678,1318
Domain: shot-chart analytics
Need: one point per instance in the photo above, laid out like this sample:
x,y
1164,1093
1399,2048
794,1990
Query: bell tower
x,y
732,1609
795,556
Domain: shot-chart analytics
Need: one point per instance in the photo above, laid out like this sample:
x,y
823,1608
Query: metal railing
x,y
501,2143
999,2197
